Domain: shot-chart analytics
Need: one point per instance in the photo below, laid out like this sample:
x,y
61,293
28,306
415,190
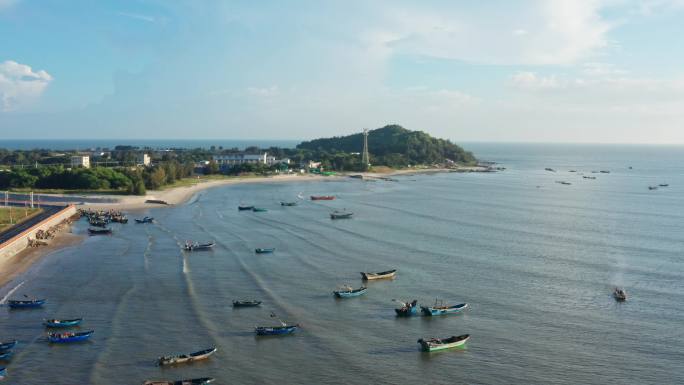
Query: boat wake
x,y
9,293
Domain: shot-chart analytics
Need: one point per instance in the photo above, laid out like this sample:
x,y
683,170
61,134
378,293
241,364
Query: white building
x,y
80,161
234,159
142,159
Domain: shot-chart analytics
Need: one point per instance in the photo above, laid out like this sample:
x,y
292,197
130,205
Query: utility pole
x,y
365,158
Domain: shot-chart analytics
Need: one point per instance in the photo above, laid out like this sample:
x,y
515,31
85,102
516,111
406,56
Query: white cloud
x,y
20,85
136,16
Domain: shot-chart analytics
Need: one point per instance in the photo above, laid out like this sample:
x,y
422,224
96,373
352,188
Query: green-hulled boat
x,y
435,344
259,210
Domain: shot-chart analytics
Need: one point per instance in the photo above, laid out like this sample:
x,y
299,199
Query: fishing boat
x,y
92,231
98,223
245,208
664,185
439,309
69,336
288,204
620,295
246,303
62,323
186,358
264,250
5,346
381,275
341,214
652,187
3,373
322,197
5,356
605,171
549,169
145,220
435,344
192,381
189,246
348,292
25,303
259,209
282,329
407,309
589,177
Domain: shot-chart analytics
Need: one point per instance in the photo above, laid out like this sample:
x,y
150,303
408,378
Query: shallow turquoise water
x,y
535,260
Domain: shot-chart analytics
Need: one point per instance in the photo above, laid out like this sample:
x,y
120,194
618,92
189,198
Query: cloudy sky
x,y
549,71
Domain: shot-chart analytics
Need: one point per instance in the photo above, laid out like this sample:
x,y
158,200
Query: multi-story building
x,y
80,161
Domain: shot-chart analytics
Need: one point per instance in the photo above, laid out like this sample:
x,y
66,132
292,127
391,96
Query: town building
x,y
80,161
143,159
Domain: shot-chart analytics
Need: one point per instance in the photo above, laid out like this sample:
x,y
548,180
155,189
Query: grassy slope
x,y
19,214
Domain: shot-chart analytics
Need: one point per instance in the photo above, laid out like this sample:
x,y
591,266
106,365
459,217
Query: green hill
x,y
394,146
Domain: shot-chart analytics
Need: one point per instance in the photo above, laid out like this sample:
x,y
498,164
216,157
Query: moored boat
x,y
288,204
186,358
264,250
275,330
246,303
105,231
381,275
663,185
69,336
192,381
322,197
62,323
189,246
25,303
435,344
341,214
245,208
407,309
259,209
5,346
5,356
348,292
620,295
439,309
652,187
3,373
144,220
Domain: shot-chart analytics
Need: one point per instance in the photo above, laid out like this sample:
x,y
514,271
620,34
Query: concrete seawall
x,y
19,242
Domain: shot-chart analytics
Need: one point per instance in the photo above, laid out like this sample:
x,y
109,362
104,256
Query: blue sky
x,y
559,71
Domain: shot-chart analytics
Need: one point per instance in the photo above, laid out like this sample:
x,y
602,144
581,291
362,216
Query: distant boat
x,y
144,220
572,171
563,182
439,309
69,336
664,185
25,303
62,323
407,309
5,346
435,344
620,295
192,381
92,231
186,358
275,330
341,214
652,187
348,292
288,204
264,250
549,169
604,172
259,209
246,303
5,356
589,177
198,246
381,275
322,197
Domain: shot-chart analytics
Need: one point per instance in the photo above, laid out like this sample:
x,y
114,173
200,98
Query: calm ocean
x,y
535,259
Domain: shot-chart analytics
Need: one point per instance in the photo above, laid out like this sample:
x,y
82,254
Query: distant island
x,y
133,170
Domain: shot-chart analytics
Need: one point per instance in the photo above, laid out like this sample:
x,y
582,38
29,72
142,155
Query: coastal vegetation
x,y
10,216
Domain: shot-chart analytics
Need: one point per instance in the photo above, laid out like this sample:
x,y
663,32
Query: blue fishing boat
x,y
407,309
62,323
347,291
27,303
284,328
266,250
69,337
5,346
440,309
246,303
6,355
145,220
245,208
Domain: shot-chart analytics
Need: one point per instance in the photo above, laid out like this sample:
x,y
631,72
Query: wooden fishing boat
x,y
407,309
99,231
322,197
192,381
341,214
62,323
69,337
5,346
275,330
381,275
5,356
259,209
198,246
664,185
245,208
186,358
435,344
246,303
264,250
620,295
144,220
288,204
439,309
25,303
348,292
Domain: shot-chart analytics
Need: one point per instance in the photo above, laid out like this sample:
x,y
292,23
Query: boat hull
x,y
264,251
322,198
25,304
6,355
382,275
275,330
187,358
62,323
78,337
432,311
435,345
246,303
350,293
7,345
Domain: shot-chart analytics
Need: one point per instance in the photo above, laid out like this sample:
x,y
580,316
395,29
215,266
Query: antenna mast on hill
x,y
365,158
